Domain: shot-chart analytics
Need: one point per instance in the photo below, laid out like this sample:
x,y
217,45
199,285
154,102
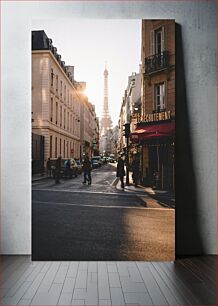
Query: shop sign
x,y
158,116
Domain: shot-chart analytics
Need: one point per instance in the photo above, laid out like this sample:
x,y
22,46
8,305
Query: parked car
x,y
64,173
98,158
79,165
95,164
103,159
111,160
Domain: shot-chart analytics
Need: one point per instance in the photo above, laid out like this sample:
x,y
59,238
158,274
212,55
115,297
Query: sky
x,y
89,44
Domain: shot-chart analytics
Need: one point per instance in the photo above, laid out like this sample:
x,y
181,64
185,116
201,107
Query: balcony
x,y
157,62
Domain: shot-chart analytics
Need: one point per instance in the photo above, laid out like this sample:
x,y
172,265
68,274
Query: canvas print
x,y
103,140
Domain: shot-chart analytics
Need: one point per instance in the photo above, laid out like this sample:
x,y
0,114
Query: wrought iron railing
x,y
157,62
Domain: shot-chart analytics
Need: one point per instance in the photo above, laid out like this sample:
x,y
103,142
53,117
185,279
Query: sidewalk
x,y
151,196
39,177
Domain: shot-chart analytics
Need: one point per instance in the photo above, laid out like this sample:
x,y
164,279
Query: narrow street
x,y
72,221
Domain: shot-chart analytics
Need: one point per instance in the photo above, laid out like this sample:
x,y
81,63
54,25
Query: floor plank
x,y
187,281
154,290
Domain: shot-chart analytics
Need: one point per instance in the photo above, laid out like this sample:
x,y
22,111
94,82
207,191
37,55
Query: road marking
x,y
121,193
100,206
89,205
115,181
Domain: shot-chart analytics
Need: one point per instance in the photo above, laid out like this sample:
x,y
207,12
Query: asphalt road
x,y
72,221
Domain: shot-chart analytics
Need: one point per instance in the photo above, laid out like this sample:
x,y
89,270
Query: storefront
x,y
156,143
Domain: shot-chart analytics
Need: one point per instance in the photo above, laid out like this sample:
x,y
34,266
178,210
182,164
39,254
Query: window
x,y
159,97
157,43
56,145
65,93
61,87
51,115
67,150
68,119
50,146
71,119
64,148
56,116
60,116
56,83
52,77
60,146
64,118
71,101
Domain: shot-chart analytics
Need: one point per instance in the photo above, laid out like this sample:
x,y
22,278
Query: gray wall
x,y
196,113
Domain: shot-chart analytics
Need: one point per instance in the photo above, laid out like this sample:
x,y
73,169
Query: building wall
x,y
168,77
156,72
132,95
55,107
198,40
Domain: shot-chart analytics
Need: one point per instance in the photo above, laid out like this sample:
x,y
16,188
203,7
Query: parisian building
x,y
89,123
155,133
130,109
115,140
62,116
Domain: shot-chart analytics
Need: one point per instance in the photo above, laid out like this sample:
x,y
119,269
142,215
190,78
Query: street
x,y
72,221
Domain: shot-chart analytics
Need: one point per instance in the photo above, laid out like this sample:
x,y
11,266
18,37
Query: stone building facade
x,y
155,133
60,110
158,66
130,108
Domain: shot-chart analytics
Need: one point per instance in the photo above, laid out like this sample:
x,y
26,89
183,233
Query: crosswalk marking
x,y
100,206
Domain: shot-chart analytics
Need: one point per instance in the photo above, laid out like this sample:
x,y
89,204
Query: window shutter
x,y
163,46
152,52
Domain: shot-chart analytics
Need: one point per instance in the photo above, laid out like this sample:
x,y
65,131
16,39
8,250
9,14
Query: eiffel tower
x,y
106,123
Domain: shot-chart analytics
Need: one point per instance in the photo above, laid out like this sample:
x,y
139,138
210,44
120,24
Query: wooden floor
x,y
188,281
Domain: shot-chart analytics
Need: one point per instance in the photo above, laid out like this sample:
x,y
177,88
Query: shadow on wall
x,y
188,234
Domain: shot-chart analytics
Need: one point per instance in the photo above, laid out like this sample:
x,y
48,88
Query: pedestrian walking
x,y
57,170
87,166
121,171
136,169
68,168
48,167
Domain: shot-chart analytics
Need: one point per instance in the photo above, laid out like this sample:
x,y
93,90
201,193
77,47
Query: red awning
x,y
154,131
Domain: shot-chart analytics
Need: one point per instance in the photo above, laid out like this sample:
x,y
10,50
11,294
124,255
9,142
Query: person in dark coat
x,y
121,171
57,170
68,169
87,166
135,169
48,166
